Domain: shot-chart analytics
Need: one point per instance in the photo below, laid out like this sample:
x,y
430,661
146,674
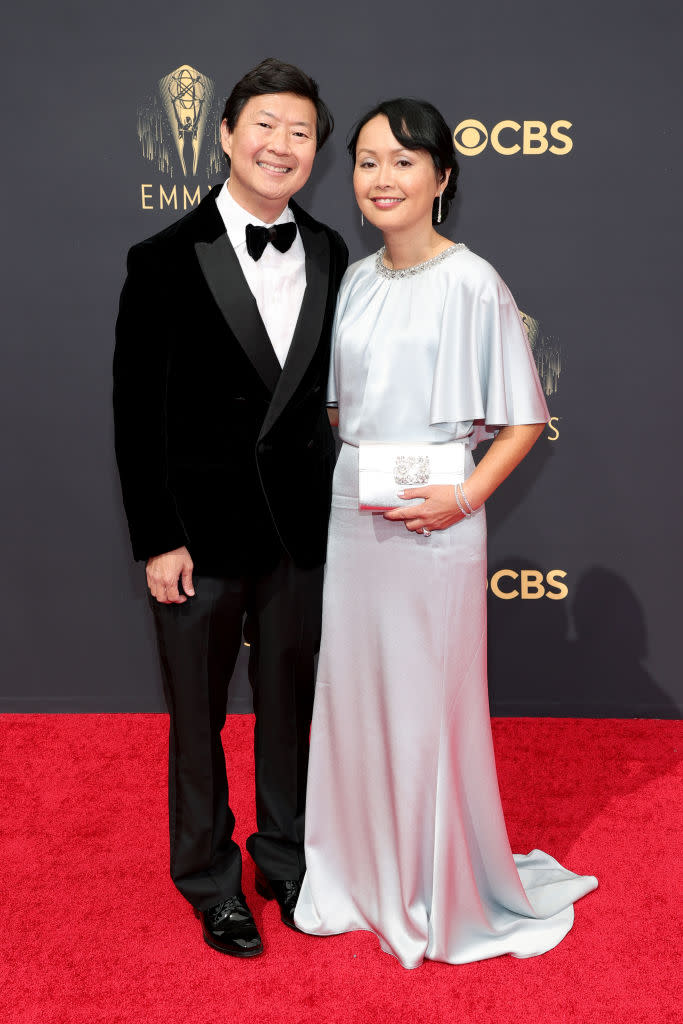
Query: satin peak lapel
x,y
308,328
232,294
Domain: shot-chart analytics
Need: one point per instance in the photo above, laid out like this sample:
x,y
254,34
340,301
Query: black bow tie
x,y
281,235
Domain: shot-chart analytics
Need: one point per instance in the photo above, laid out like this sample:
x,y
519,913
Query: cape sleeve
x,y
485,376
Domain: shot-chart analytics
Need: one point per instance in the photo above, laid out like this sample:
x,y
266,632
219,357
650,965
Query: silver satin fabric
x,y
405,835
430,358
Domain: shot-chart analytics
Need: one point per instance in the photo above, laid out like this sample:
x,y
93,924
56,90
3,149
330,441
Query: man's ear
x,y
226,137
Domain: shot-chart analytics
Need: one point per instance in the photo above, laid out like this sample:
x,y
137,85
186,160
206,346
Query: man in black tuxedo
x,y
226,455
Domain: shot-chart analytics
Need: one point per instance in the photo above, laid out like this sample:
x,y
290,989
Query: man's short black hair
x,y
273,75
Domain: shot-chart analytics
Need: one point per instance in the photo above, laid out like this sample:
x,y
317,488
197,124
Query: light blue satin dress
x,y
405,835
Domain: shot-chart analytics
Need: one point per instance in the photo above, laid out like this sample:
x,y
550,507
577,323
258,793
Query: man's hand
x,y
163,572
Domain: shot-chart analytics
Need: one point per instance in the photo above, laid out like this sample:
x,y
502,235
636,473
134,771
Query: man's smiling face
x,y
271,151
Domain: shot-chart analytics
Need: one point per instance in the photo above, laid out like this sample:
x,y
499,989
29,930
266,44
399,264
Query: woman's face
x,y
395,187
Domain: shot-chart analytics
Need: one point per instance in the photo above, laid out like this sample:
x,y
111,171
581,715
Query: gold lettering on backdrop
x,y
561,137
471,137
495,580
534,137
561,588
187,198
532,584
168,199
495,138
551,426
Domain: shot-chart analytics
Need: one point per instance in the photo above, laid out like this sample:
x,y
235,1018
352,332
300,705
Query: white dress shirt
x,y
277,281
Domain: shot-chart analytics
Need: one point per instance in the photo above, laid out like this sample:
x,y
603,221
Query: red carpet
x,y
93,930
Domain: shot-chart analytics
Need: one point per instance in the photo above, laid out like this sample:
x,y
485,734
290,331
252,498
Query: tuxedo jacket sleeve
x,y
140,368
218,448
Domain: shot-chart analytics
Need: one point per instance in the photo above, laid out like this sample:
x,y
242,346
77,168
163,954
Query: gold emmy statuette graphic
x,y
548,359
546,352
187,95
178,129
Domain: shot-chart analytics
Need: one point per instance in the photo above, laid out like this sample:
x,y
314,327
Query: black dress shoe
x,y
229,927
285,891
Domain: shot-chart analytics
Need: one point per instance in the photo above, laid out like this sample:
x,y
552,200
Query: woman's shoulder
x,y
467,267
361,267
455,265
358,272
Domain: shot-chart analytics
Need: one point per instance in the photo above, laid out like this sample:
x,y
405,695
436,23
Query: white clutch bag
x,y
386,469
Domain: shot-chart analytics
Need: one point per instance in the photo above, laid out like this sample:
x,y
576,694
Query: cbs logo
x,y
529,584
508,137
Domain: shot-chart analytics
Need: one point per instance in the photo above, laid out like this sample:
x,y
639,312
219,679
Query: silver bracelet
x,y
465,514
465,499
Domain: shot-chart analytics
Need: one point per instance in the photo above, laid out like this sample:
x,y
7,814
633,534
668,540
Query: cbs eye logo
x,y
509,137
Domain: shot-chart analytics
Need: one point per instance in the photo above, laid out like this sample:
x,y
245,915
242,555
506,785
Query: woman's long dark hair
x,y
416,124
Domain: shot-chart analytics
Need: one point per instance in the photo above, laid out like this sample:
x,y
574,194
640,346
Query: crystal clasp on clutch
x,y
411,470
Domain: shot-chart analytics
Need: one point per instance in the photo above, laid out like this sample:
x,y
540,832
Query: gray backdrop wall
x,y
570,152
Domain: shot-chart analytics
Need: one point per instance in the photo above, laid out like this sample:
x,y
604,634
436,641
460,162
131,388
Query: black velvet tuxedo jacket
x,y
218,448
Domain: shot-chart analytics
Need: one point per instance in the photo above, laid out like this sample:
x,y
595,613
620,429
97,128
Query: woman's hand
x,y
438,511
440,508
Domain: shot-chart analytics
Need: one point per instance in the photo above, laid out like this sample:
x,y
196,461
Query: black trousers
x,y
279,616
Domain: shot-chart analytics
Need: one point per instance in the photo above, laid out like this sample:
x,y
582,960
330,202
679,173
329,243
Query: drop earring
x,y
362,220
438,212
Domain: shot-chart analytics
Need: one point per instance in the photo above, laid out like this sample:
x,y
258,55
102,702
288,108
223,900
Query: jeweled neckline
x,y
418,268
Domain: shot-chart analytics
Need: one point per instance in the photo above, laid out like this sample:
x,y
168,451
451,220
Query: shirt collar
x,y
236,218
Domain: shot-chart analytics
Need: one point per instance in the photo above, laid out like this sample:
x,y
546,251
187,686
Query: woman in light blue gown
x,y
405,835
